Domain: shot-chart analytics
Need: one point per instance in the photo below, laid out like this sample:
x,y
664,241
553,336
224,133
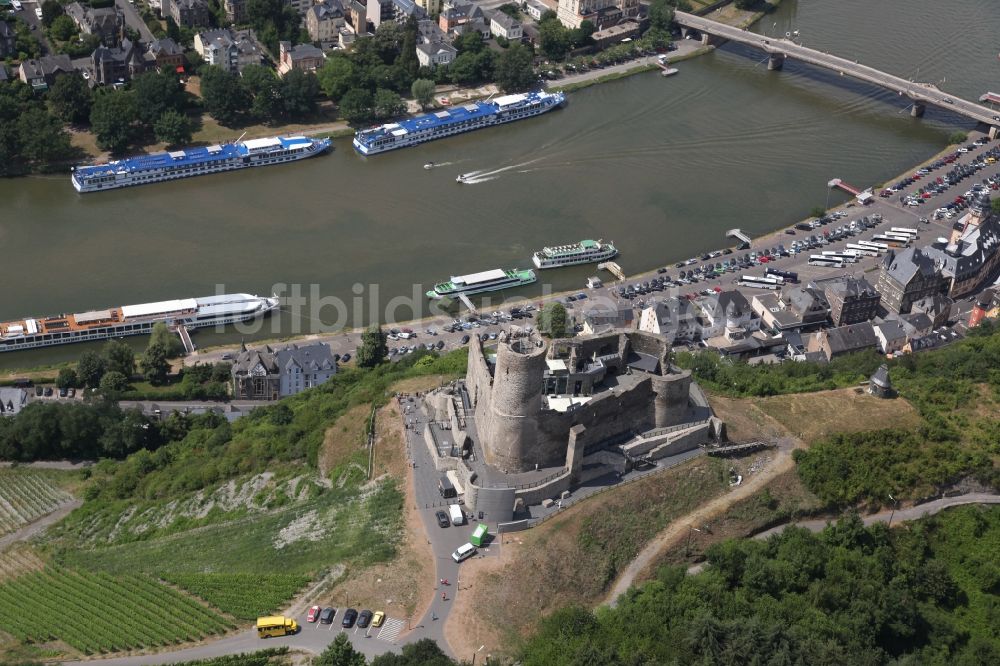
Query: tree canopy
x,y
552,320
373,349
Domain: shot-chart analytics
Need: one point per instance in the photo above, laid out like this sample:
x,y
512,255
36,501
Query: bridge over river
x,y
920,94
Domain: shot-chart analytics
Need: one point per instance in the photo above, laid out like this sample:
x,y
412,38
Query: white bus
x,y
827,261
892,241
768,282
904,230
875,246
841,256
862,250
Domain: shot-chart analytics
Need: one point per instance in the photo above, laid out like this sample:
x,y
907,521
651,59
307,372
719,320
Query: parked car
x,y
327,615
345,358
465,339
378,618
350,616
442,519
313,614
364,619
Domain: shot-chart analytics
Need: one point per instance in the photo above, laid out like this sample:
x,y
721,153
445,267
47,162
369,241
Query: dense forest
x,y
922,594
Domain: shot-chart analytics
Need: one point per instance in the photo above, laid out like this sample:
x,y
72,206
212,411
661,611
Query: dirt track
x,y
678,529
33,528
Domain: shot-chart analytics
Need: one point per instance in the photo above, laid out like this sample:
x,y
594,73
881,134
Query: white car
x,y
16,4
464,552
38,13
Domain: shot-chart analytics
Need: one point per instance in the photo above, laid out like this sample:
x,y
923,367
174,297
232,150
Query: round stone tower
x,y
516,403
671,402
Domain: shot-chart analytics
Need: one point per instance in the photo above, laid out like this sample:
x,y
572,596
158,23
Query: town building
x,y
106,22
165,54
916,325
535,9
325,20
970,259
236,10
405,9
673,318
852,300
305,57
615,33
378,12
270,374
727,315
605,318
460,16
985,303
502,25
8,40
891,336
42,73
793,308
907,277
936,306
430,7
187,13
357,13
601,13
118,64
4,74
834,342
228,49
432,55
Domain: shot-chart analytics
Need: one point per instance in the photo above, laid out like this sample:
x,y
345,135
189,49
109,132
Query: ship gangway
x,y
850,189
745,241
612,268
185,337
468,303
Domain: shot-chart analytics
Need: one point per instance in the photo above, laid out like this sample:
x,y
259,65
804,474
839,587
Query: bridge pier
x,y
994,131
918,109
775,62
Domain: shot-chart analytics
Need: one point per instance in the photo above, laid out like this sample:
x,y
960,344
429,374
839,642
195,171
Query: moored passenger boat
x,y
197,161
584,252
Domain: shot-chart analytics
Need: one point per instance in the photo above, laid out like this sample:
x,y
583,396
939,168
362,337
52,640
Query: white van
x,y
464,552
457,517
16,4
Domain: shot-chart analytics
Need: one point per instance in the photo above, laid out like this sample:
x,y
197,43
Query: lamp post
x,y
687,544
893,512
475,653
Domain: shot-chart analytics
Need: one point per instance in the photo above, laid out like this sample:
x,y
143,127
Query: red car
x,y
313,614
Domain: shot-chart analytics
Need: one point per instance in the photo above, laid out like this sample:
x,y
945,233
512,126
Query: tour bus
x,y
904,230
891,241
826,262
846,257
276,625
769,282
862,250
787,276
873,245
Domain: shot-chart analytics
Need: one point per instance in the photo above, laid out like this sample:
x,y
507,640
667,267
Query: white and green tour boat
x,y
584,252
477,283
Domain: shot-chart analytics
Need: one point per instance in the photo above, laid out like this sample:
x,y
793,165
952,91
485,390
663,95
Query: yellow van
x,y
276,625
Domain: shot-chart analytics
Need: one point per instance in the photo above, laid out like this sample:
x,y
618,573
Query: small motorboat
x,y
429,166
670,71
462,178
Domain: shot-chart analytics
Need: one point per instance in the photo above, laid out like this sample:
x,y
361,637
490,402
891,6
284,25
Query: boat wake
x,y
485,175
435,165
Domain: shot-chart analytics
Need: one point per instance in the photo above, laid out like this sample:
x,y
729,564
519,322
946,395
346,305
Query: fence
x,y
371,444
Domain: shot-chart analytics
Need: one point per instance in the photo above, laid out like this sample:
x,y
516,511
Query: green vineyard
x,y
244,596
26,495
95,612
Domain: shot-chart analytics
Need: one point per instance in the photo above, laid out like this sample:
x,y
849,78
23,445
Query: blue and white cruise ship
x,y
175,164
456,120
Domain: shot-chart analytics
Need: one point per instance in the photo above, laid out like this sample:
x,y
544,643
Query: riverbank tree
x,y
32,138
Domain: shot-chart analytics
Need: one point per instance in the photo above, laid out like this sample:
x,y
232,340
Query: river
x,y
663,167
